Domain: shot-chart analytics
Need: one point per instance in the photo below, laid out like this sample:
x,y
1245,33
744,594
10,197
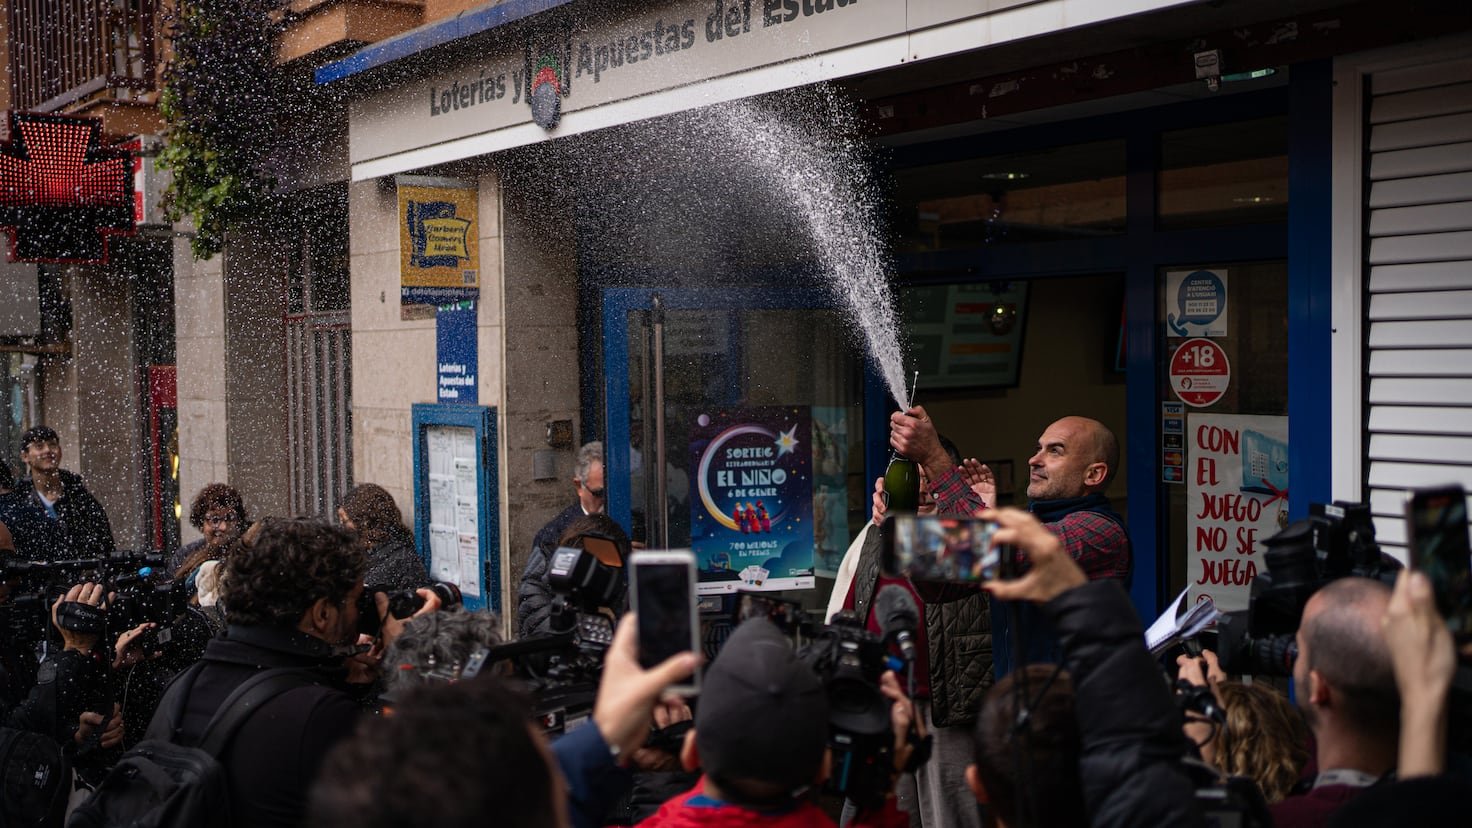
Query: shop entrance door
x,y
675,361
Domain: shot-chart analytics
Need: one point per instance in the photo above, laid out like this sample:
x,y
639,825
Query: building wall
x,y
541,347
199,331
393,358
255,371
440,9
92,399
231,377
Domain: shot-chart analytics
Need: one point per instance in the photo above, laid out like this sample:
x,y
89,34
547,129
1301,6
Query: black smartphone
x,y
954,549
1438,545
662,596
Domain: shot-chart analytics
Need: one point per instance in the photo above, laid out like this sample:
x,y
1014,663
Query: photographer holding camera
x,y
68,700
294,597
761,738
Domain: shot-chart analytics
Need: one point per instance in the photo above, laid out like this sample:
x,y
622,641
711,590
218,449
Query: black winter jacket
x,y
533,594
1129,725
958,637
395,564
85,530
37,537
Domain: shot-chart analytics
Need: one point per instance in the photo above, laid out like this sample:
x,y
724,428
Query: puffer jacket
x,y
958,637
85,530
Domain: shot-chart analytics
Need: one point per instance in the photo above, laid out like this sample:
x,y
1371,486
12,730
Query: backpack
x,y
36,779
160,782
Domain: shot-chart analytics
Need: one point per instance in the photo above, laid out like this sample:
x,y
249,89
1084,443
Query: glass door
x,y
735,427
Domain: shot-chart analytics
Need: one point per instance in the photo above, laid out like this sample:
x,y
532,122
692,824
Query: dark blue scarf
x,y
1052,511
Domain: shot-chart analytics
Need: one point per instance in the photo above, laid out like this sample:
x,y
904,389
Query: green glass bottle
x,y
902,485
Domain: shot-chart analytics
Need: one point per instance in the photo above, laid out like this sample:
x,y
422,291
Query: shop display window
x,y
1224,174
1223,398
1059,193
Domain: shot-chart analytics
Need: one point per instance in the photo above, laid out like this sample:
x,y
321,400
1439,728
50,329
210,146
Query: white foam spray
x,y
831,189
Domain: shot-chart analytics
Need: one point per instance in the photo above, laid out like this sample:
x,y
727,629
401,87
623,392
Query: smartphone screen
x,y
1436,522
663,587
931,548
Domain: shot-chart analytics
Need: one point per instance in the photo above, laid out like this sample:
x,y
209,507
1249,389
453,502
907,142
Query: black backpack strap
x,y
168,719
245,700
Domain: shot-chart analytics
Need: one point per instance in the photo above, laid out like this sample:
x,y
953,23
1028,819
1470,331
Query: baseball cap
x,y
763,715
38,434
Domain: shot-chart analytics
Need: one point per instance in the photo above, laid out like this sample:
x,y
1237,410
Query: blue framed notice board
x,y
456,501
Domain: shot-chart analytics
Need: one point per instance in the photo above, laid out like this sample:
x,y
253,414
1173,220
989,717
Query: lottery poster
x,y
751,516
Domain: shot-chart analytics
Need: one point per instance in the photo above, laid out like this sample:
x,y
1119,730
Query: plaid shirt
x,y
1098,544
953,496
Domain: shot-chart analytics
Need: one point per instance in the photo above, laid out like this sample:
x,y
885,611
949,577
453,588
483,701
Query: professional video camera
x,y
138,588
561,668
849,659
1334,541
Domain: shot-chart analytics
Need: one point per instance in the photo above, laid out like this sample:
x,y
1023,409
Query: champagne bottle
x,y
902,485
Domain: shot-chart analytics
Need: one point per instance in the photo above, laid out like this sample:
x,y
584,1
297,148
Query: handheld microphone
x,y
899,618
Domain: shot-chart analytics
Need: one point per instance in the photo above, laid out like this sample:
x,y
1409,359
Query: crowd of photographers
x,y
294,672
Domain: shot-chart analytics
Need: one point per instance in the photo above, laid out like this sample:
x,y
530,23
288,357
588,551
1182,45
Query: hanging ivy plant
x,y
219,101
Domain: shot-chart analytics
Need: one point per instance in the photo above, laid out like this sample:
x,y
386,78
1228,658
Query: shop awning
x,y
432,35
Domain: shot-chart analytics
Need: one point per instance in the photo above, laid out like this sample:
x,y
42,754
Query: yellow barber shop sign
x,y
439,250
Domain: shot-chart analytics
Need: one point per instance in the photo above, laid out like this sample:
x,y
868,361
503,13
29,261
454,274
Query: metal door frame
x,y
617,303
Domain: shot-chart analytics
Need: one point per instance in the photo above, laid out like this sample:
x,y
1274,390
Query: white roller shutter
x,y
1419,312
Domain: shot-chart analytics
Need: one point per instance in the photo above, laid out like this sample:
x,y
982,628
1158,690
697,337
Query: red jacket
x,y
696,810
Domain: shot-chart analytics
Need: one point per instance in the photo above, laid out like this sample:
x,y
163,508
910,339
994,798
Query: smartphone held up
x,y
950,549
662,596
1437,544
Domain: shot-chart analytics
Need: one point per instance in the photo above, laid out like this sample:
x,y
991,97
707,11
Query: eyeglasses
x,y
597,493
222,520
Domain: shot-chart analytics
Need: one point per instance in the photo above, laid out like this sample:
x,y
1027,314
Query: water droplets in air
x,y
829,184
706,195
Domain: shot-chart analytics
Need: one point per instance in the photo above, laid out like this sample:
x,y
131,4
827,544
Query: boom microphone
x,y
899,618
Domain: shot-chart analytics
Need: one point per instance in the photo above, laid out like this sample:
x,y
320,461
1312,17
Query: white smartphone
x,y
662,596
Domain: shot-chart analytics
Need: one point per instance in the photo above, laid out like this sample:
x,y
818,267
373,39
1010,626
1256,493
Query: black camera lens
x,y
403,603
449,594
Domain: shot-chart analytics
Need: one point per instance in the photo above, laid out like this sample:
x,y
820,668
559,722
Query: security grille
x,y
1419,260
319,356
319,378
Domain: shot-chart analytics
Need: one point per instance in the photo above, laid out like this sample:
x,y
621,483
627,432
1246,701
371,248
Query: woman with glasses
x,y
218,511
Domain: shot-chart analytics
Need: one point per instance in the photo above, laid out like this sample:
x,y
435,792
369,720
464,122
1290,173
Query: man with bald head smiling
x,y
1075,459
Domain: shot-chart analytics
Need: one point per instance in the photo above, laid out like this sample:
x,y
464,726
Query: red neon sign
x,y
62,193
